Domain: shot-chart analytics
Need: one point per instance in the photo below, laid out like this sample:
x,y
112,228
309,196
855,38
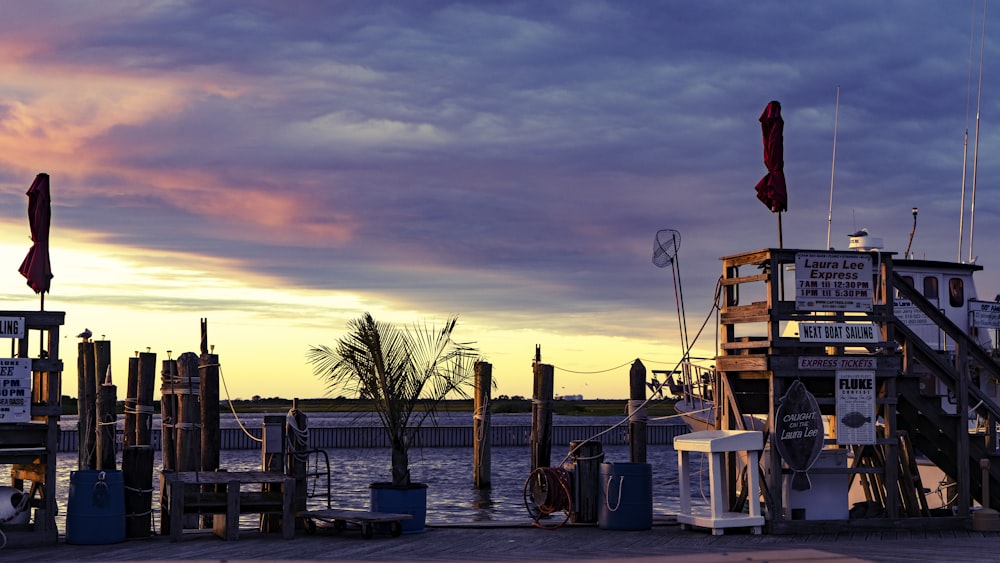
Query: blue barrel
x,y
625,496
410,500
95,512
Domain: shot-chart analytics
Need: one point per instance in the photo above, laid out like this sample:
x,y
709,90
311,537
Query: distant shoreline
x,y
596,407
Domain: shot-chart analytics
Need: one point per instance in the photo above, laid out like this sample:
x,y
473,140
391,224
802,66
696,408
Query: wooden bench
x,y
227,505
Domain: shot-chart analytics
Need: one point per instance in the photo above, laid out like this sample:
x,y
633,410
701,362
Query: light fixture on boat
x,y
862,242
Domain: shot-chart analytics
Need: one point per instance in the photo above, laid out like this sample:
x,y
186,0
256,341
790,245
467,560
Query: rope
x,y
231,407
547,490
607,493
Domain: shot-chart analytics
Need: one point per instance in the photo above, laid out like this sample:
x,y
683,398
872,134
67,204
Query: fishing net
x,y
665,247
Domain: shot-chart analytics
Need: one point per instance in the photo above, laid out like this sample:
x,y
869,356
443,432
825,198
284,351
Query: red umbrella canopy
x,y
771,188
36,265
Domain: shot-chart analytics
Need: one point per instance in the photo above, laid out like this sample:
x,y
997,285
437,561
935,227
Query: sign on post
x,y
15,390
855,407
11,327
833,281
985,314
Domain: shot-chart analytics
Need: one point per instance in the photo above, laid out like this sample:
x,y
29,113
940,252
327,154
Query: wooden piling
x,y
587,457
297,439
637,413
188,428
144,398
482,434
137,472
86,407
208,365
541,416
168,414
131,384
107,399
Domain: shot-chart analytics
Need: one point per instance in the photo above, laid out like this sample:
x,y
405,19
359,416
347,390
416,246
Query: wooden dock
x,y
521,542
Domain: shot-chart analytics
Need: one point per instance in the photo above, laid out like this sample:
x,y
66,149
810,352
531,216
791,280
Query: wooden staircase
x,y
942,437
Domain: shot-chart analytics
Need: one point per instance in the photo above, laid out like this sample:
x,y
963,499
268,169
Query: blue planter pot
x,y
410,500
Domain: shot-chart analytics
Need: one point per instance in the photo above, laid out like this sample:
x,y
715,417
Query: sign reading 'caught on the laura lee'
x,y
11,327
15,390
833,281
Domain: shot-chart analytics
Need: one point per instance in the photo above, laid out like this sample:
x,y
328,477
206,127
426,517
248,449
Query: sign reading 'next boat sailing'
x,y
11,327
985,314
833,281
15,390
860,333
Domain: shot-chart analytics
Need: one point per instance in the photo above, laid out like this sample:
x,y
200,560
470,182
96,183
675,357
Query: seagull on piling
x,y
85,335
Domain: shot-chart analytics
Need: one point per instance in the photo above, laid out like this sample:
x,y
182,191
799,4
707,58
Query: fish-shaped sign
x,y
799,429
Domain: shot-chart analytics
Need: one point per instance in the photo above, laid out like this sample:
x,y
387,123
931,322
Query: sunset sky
x,y
280,168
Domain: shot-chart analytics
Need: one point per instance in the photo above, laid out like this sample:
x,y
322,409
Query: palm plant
x,y
406,372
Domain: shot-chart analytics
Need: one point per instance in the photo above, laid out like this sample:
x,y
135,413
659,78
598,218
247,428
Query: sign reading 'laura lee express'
x,y
861,333
833,281
11,327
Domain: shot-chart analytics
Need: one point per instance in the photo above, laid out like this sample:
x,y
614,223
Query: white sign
x,y
861,333
15,390
855,407
909,314
985,314
836,362
833,281
11,327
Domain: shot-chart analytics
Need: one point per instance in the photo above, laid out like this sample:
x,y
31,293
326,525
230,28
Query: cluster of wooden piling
x,y
137,448
189,412
96,400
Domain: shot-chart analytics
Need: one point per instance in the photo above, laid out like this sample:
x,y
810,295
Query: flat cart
x,y
342,519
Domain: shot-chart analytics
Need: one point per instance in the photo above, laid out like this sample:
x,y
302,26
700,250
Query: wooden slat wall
x,y
427,437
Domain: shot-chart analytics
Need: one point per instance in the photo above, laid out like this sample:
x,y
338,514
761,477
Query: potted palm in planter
x,y
406,372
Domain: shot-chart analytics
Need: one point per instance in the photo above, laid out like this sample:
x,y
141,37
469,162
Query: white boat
x,y
950,288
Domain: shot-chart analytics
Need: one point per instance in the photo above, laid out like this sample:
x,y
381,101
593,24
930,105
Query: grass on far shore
x,y
596,407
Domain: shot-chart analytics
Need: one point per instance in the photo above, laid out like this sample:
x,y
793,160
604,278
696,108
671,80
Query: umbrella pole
x,y
780,243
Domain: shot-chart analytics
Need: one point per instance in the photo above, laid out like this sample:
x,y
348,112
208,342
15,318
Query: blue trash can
x,y
625,496
95,512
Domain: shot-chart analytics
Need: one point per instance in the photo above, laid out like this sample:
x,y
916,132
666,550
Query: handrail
x,y
904,334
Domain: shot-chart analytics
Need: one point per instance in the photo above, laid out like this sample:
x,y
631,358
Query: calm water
x,y
448,472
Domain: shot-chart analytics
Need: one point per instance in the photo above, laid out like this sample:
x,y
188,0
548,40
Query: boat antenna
x,y
975,152
913,230
665,247
833,166
965,144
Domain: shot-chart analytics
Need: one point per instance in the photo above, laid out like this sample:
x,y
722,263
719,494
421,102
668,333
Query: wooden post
x,y
107,398
144,397
137,473
272,459
86,407
541,416
208,365
132,383
482,438
587,457
188,428
637,413
168,414
297,438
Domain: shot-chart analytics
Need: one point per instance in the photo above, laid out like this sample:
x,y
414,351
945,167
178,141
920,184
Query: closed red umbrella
x,y
36,267
771,188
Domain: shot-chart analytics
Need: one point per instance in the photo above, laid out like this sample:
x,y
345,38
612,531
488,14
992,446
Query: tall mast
x,y
833,166
975,153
